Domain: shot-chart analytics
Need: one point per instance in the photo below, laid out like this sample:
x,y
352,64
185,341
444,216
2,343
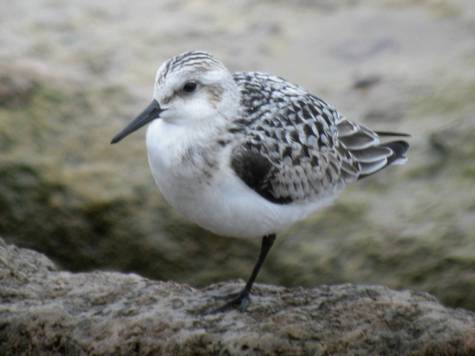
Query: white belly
x,y
221,203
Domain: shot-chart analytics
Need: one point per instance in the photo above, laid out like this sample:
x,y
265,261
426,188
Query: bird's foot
x,y
240,302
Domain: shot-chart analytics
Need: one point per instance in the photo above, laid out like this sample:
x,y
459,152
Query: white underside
x,y
224,205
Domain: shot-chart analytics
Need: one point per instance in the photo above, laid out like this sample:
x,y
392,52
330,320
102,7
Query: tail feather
x,y
359,141
368,154
397,155
393,134
399,149
371,154
372,167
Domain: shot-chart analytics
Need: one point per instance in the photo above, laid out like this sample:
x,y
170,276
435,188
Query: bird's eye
x,y
189,87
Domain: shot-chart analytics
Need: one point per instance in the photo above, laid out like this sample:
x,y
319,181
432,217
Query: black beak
x,y
150,113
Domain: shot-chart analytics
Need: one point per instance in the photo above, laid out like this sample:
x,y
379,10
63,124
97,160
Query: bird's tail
x,y
369,154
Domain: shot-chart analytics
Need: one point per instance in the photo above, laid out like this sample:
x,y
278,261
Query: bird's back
x,y
298,148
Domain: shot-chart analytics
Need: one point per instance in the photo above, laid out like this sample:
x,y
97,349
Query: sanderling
x,y
248,154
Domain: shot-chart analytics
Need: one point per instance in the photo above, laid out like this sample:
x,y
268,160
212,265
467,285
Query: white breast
x,y
222,203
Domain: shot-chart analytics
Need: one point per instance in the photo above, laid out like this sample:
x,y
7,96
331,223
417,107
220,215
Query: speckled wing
x,y
297,148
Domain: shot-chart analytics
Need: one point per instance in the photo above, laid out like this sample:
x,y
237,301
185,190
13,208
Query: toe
x,y
239,302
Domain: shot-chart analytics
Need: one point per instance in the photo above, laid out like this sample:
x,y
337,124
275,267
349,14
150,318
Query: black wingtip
x,y
393,134
399,148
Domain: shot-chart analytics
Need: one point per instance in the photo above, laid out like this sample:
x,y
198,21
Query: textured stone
x,y
47,311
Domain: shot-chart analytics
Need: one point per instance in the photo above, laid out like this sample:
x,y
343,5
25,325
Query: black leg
x,y
243,298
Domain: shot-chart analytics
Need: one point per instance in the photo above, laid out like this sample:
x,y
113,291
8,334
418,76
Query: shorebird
x,y
248,154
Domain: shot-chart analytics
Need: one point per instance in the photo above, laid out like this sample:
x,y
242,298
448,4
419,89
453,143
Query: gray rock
x,y
47,311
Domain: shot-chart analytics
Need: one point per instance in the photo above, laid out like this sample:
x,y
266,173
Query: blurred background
x,y
72,73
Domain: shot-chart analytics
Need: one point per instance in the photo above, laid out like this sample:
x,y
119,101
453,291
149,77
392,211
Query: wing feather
x,y
364,145
298,148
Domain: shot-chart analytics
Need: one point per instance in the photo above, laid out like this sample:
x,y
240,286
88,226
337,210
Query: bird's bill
x,y
151,112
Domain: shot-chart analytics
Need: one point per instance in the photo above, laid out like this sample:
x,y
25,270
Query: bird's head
x,y
192,88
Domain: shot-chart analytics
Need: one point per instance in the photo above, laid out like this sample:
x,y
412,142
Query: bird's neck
x,y
177,140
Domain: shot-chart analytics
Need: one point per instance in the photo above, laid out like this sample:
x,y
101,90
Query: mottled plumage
x,y
299,148
250,154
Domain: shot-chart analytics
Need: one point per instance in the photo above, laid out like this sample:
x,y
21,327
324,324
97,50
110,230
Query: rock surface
x,y
73,72
47,311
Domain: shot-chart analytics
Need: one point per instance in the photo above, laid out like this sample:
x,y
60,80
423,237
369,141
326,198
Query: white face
x,y
194,95
192,89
